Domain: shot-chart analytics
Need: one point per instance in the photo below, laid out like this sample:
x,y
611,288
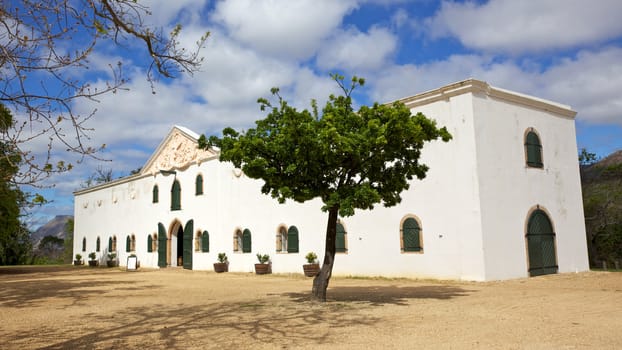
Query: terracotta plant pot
x,y
311,270
262,269
221,267
93,263
77,262
111,263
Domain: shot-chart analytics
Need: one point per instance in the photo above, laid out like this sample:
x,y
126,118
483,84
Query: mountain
x,y
54,227
604,169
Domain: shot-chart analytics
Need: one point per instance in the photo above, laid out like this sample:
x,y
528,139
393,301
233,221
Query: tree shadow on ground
x,y
381,295
265,323
32,287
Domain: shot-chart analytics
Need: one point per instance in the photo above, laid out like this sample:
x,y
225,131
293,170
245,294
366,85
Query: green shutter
x,y
109,244
541,244
127,244
410,233
340,242
534,150
246,241
176,196
161,245
149,244
187,242
84,244
199,185
292,240
156,194
205,242
97,244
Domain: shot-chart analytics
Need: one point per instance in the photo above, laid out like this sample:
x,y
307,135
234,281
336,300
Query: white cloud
x,y
282,28
355,51
517,27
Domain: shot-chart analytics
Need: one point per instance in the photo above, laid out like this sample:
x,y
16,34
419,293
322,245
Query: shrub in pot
x,y
223,263
92,259
311,268
78,260
111,260
264,266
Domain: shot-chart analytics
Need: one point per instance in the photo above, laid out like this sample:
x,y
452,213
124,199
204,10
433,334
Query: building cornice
x,y
482,88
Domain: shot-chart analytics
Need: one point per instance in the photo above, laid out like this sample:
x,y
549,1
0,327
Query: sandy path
x,y
69,308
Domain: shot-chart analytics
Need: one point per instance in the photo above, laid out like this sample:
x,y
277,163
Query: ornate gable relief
x,y
178,152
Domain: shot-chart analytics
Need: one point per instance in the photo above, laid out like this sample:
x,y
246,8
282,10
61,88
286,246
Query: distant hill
x,y
597,171
54,227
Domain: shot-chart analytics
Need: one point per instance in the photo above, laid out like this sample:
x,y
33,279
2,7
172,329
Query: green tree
x,y
15,246
45,68
350,159
68,243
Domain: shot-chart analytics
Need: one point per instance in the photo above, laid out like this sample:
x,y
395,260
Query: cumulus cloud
x,y
354,50
518,27
282,28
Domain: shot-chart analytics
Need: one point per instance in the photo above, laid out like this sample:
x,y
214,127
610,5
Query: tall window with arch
x,y
198,185
533,149
176,196
410,235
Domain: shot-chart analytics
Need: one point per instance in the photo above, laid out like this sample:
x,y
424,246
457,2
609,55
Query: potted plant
x,y
311,268
264,265
111,260
92,259
78,260
223,263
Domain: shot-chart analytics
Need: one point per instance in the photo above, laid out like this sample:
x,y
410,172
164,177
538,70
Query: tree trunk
x,y
320,282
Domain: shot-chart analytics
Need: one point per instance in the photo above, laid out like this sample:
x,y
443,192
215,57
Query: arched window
x,y
149,244
97,244
128,244
197,242
533,149
237,240
541,244
341,242
411,236
246,241
110,245
292,240
176,196
154,242
198,185
205,242
114,243
281,239
84,244
133,243
155,194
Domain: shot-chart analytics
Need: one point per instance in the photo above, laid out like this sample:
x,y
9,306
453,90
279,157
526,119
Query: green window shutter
x,y
109,244
187,244
205,242
533,147
84,244
340,243
176,196
97,244
199,185
156,194
411,235
161,245
127,244
292,240
246,241
541,244
149,244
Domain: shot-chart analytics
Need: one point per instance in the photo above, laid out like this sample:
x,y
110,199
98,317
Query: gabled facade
x,y
501,200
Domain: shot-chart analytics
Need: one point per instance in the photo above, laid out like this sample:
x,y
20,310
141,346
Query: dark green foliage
x,y
602,204
350,159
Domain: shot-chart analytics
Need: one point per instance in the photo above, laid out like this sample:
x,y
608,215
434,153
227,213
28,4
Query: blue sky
x,y
568,51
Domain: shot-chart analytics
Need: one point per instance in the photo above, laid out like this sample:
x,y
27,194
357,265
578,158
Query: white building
x,y
501,200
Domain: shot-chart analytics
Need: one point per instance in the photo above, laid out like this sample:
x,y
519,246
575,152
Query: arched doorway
x,y
541,244
178,245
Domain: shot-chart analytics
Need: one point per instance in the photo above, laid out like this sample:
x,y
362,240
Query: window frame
x,y
419,238
533,149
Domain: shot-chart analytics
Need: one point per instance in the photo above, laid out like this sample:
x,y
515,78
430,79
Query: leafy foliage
x,y
350,159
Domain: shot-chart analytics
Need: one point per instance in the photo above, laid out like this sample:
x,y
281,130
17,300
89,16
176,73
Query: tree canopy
x,y
350,159
45,67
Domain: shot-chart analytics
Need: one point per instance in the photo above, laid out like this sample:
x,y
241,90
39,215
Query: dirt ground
x,y
99,308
